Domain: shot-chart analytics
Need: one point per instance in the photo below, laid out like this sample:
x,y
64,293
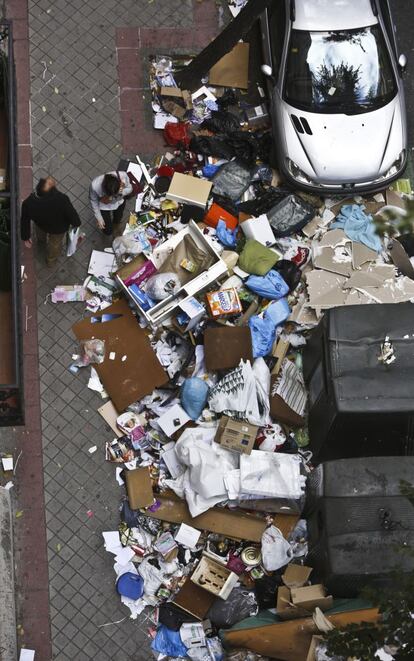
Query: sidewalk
x,y
80,128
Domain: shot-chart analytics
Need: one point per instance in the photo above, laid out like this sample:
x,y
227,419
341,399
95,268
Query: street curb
x,y
8,643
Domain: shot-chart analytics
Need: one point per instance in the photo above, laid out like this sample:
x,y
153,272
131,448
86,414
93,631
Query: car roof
x,y
323,15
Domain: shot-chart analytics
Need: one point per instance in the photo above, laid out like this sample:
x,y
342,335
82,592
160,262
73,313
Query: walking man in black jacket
x,y
53,214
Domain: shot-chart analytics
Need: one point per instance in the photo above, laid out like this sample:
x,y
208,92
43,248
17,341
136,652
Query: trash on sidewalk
x,y
204,307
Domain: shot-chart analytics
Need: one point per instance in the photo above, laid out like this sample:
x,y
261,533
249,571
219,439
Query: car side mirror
x,y
267,70
402,62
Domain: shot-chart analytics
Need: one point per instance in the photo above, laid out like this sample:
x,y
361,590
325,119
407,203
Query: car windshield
x,y
345,71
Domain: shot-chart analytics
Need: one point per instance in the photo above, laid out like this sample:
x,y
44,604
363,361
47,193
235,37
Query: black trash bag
x,y
228,98
212,146
265,200
265,146
266,590
245,146
290,215
221,122
290,446
289,271
240,603
232,180
407,242
173,616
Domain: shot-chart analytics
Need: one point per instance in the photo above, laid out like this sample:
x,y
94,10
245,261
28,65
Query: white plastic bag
x,y
72,241
276,551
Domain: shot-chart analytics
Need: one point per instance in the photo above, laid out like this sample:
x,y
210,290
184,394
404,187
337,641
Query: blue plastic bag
x,y
210,170
168,642
225,236
193,395
270,286
278,311
263,329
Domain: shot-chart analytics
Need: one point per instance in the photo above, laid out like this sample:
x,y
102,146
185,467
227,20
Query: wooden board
x,y
236,524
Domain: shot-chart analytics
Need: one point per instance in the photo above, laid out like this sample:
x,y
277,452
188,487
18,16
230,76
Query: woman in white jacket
x,y
107,195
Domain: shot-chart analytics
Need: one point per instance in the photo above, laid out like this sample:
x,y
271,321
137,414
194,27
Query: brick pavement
x,y
78,131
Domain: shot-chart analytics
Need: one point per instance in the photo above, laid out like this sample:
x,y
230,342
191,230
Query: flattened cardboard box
x,y
232,70
140,373
139,488
231,523
225,347
235,435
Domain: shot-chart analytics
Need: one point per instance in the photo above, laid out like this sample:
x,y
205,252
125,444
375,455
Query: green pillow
x,y
255,258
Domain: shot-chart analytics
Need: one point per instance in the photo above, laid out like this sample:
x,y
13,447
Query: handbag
x,y
137,188
72,241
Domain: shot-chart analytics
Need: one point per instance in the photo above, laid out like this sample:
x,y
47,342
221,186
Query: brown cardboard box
x,y
300,602
194,600
311,597
225,346
139,488
235,435
232,70
110,415
235,523
296,576
189,190
140,373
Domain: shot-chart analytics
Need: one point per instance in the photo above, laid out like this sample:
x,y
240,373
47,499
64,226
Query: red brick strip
x,y
30,529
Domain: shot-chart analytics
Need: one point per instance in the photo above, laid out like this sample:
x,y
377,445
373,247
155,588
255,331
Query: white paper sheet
x,y
135,169
187,536
7,463
102,264
124,555
173,419
111,540
27,655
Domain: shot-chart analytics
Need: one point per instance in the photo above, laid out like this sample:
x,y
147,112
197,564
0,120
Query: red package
x,y
176,135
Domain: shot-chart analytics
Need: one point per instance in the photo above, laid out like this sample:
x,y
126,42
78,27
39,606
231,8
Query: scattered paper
x,y
111,540
135,169
102,264
92,449
124,555
27,655
118,471
187,536
163,118
7,463
95,384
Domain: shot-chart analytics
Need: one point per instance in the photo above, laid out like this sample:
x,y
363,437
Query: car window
x,y
277,24
342,71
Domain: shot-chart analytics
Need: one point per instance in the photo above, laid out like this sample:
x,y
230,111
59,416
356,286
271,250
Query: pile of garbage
x,y
198,315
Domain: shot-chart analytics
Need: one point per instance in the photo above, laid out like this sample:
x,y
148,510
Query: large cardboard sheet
x,y
135,370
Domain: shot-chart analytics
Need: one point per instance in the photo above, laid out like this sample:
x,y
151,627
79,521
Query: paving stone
x,y
76,135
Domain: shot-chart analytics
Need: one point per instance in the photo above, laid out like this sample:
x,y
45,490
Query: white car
x,y
337,99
